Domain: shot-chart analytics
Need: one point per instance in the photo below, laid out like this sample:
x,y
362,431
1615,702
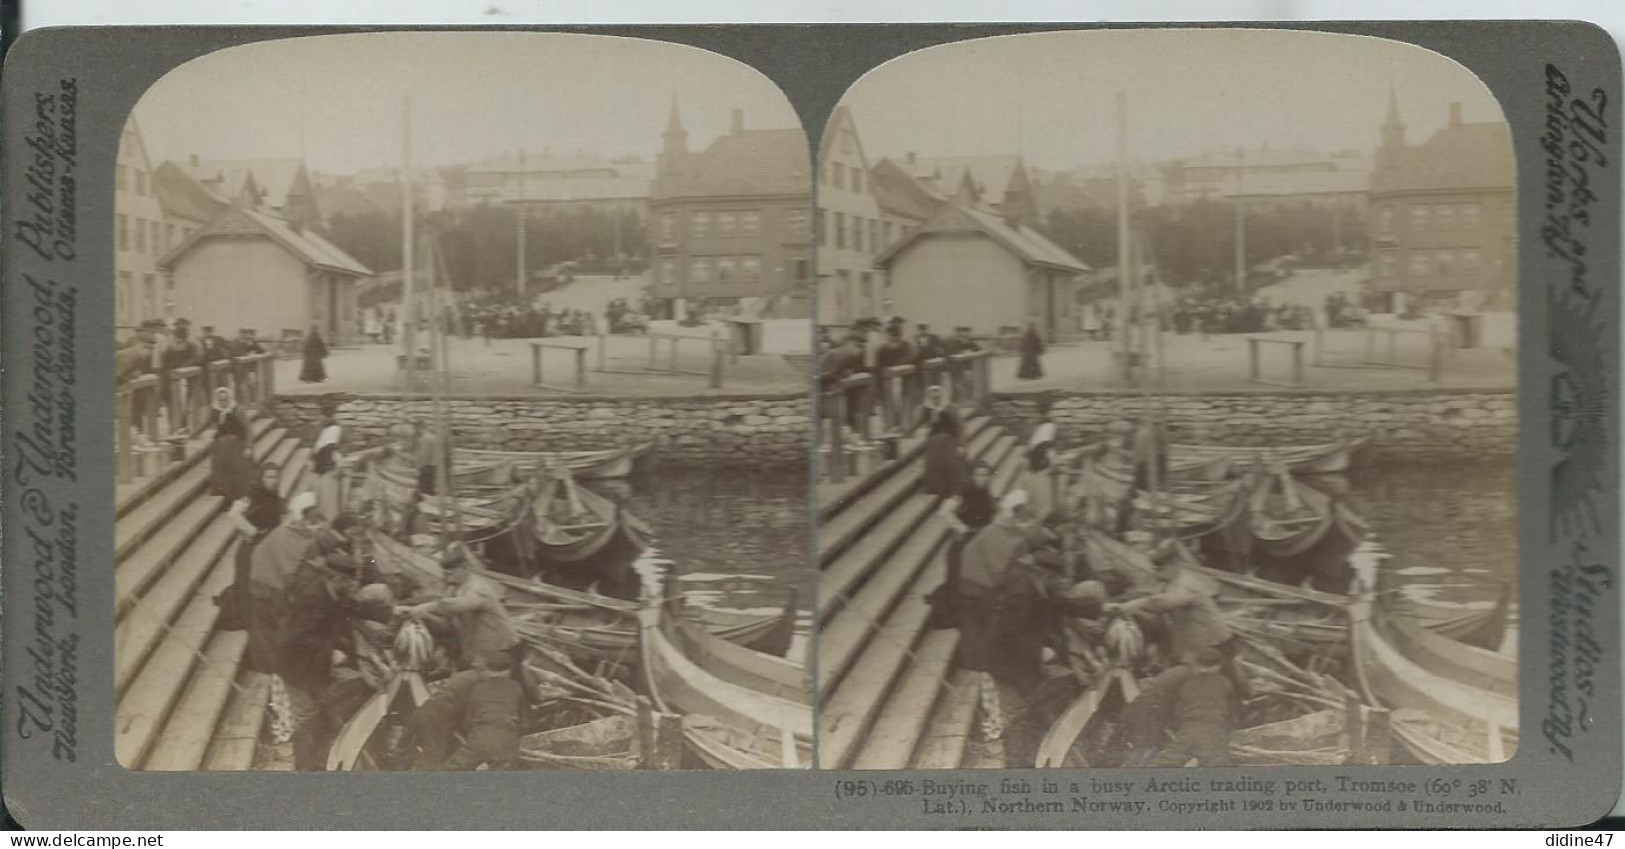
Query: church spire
x,y
1392,147
674,141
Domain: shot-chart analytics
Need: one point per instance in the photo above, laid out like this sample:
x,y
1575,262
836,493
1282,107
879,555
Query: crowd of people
x,y
1213,313
306,583
497,318
1022,591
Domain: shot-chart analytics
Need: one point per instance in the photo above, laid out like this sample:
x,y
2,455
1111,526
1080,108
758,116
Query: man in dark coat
x,y
839,363
927,345
1032,347
314,370
314,627
1204,715
215,347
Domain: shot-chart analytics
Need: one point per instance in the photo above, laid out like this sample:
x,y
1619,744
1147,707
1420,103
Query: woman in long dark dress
x,y
314,370
256,514
1032,347
969,510
231,470
944,467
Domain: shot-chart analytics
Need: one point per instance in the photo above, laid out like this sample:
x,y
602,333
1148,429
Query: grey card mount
x,y
930,426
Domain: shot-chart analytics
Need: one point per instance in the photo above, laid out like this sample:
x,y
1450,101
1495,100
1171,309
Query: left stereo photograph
x,y
463,409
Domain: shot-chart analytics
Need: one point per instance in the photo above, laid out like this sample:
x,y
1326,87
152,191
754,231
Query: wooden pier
x,y
184,700
888,695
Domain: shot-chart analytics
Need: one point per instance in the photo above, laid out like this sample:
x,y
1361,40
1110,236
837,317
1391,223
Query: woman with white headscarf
x,y
1038,475
231,469
328,465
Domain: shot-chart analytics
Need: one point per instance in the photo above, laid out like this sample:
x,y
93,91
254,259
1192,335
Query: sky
x,y
1051,96
338,99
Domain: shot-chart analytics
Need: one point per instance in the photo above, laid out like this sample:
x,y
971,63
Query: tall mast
x,y
1241,227
1123,282
408,306
519,229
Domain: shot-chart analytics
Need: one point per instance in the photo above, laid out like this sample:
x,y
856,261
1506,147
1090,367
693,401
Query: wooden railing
x,y
160,412
864,407
579,365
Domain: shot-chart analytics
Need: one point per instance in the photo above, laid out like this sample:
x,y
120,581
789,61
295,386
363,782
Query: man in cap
x,y
214,347
482,705
985,563
927,345
474,604
960,343
1185,602
313,638
246,343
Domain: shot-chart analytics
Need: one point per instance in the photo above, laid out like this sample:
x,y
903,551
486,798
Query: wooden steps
x,y
951,724
889,696
185,703
128,496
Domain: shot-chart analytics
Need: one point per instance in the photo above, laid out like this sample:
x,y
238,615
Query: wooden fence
x,y
856,411
152,418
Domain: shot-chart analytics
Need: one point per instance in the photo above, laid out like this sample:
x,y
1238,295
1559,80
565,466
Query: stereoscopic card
x,y
1018,426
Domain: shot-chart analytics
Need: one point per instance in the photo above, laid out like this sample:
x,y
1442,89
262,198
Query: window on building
x,y
1445,215
857,179
1471,213
874,236
798,224
726,225
1471,261
857,233
750,269
803,269
149,291
750,223
140,235
840,176
700,225
126,297
140,182
1444,262
121,178
1419,263
169,237
668,227
886,229
1419,215
725,269
846,143
668,271
1385,221
823,228
1385,264
123,232
699,270
840,229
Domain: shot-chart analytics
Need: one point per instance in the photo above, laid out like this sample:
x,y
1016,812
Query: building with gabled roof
x,y
850,231
732,222
1443,228
140,234
970,266
250,268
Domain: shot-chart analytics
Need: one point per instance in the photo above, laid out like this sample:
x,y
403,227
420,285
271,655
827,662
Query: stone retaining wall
x,y
715,430
1456,424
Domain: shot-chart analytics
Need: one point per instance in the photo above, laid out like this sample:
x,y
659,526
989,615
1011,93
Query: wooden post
x,y
602,342
837,441
1354,724
1378,739
1252,358
268,385
718,360
646,733
581,367
1320,347
1297,363
150,427
1393,347
653,342
1436,343
126,439
669,742
866,409
1371,345
535,364
883,388
674,340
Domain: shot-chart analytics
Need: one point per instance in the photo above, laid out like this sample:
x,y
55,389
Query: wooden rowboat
x,y
583,465
735,712
1446,703
363,742
589,535
1292,521
602,635
1322,458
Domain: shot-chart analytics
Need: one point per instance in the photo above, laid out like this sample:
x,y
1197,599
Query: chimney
x,y
738,125
1455,113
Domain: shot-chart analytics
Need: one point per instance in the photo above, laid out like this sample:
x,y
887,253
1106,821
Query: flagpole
x,y
408,305
1125,348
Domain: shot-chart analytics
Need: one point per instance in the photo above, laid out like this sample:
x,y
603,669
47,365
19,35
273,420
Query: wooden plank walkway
x,y
888,694
184,700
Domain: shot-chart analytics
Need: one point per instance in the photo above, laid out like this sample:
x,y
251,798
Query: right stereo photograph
x,y
1167,406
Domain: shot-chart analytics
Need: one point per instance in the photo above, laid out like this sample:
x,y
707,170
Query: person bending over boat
x,y
1205,704
310,643
1184,603
255,515
479,705
328,465
474,604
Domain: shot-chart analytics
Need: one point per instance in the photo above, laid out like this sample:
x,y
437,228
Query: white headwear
x,y
1043,433
1013,499
301,501
328,436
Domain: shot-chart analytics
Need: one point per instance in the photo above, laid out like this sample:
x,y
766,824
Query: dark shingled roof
x,y
899,193
1026,243
302,242
752,162
184,197
1464,156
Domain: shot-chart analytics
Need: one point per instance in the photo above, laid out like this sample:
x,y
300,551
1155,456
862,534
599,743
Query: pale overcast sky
x,y
1051,96
473,94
